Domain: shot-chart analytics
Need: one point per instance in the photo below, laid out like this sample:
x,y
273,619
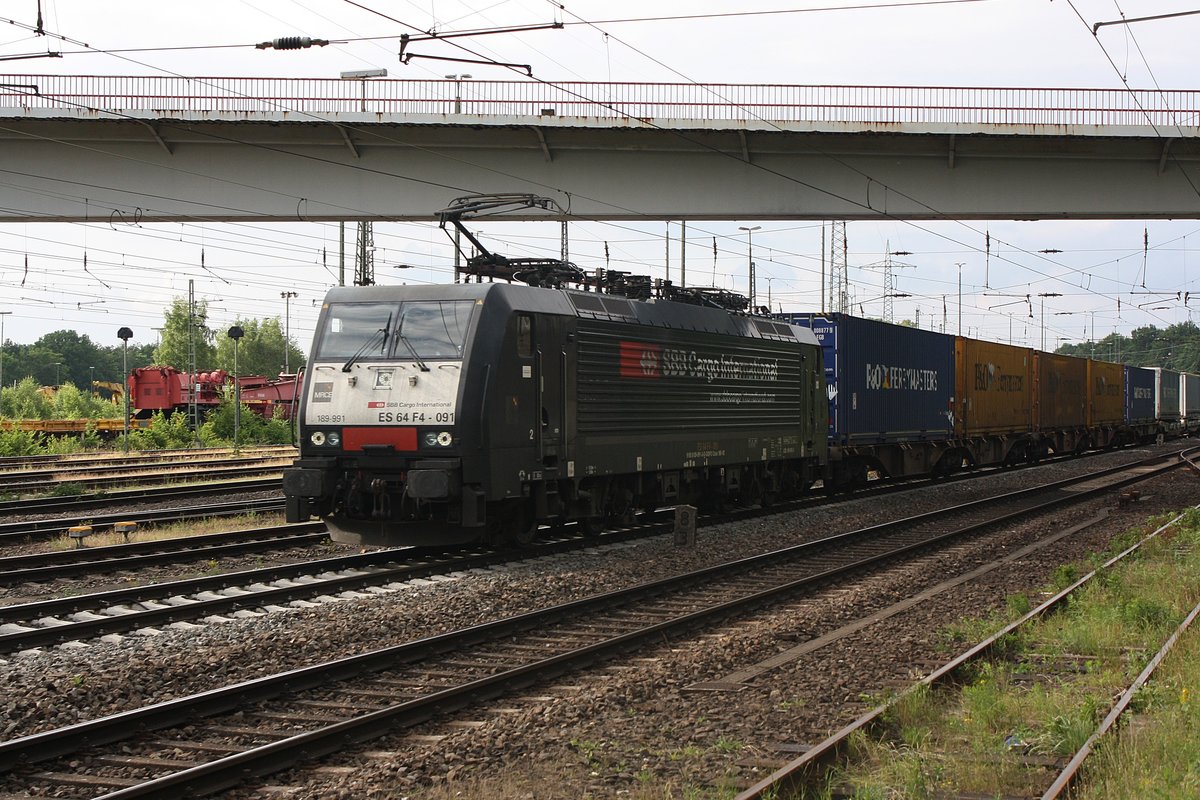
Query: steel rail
x,y
142,462
125,480
1070,773
9,462
18,481
45,504
92,560
229,771
19,532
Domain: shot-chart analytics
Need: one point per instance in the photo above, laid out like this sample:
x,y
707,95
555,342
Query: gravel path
x,y
623,731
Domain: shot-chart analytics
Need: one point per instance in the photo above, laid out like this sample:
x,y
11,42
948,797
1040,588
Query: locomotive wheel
x,y
591,526
512,523
520,525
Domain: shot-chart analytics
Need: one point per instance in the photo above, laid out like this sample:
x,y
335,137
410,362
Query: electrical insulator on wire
x,y
291,43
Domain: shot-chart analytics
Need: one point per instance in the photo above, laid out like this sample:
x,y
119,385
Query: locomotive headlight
x,y
317,438
334,438
434,439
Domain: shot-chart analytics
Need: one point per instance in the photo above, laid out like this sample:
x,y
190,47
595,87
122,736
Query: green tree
x,y
25,401
73,403
178,329
80,358
219,425
1176,347
260,350
34,361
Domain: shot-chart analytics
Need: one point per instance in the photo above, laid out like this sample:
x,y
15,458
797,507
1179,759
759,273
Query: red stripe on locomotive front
x,y
399,438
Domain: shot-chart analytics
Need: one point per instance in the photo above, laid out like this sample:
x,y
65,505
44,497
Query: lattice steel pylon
x,y
364,259
889,280
839,299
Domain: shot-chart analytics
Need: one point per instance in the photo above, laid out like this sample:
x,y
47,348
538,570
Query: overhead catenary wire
x,y
952,240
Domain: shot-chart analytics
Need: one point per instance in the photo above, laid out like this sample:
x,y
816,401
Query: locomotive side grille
x,y
640,379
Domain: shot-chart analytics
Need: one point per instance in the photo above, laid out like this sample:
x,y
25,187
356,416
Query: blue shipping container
x,y
1139,395
886,383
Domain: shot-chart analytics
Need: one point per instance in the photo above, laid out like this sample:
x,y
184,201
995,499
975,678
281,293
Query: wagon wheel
x,y
591,526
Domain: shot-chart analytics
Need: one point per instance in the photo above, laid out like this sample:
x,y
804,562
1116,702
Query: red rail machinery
x,y
166,389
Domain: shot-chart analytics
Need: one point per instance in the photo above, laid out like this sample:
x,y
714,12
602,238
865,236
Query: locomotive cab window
x,y
356,328
524,336
434,329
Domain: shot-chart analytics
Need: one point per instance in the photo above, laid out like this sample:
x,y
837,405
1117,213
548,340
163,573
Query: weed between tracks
x,y
176,530
1012,723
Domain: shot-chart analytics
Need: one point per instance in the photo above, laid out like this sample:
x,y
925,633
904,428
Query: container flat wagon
x,y
1106,402
1060,402
1189,401
1168,408
891,397
1141,417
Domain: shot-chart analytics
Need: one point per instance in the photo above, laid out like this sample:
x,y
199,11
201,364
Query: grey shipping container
x,y
1189,401
1166,395
886,383
1139,395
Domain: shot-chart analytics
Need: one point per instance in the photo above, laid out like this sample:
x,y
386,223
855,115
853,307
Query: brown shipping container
x,y
994,387
1106,393
1060,396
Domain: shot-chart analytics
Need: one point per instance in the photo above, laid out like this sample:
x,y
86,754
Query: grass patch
x,y
1044,692
68,489
174,530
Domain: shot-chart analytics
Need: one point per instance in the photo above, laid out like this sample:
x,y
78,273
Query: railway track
x,y
807,775
80,617
132,474
38,567
264,725
55,621
50,505
11,464
24,531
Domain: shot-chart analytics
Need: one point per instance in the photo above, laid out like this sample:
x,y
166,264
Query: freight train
x,y
483,411
449,413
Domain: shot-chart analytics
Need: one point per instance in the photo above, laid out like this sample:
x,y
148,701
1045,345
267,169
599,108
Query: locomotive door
x,y
551,374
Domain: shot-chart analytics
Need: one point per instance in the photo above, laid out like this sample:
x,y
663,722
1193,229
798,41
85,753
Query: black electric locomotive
x,y
438,414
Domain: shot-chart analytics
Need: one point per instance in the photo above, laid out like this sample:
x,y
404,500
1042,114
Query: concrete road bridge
x,y
122,148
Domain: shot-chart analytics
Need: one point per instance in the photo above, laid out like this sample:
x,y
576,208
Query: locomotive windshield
x,y
434,329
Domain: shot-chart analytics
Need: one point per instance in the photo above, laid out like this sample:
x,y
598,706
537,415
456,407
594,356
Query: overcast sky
x,y
133,273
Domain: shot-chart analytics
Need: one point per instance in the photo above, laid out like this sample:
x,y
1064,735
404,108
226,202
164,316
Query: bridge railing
x,y
638,101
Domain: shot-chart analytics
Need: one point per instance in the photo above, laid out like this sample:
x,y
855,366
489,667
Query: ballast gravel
x,y
634,729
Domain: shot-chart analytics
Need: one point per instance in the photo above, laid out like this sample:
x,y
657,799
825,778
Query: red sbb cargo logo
x,y
376,404
639,360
